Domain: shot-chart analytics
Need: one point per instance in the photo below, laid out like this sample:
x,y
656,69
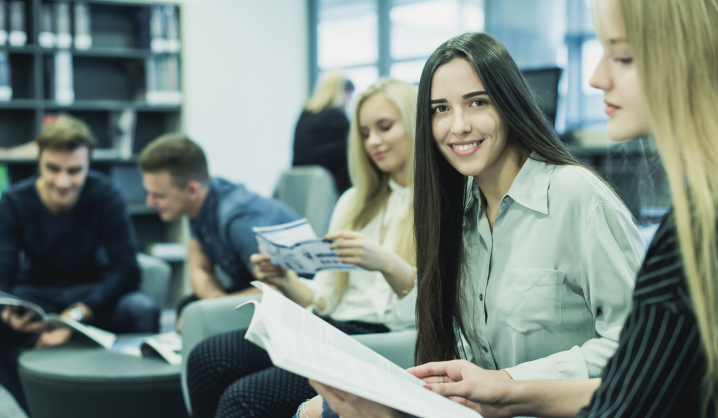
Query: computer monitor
x,y
543,82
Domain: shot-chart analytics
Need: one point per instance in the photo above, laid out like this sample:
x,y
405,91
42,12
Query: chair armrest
x,y
397,347
205,318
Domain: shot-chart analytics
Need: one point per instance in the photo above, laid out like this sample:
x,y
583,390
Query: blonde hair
x,y
328,91
371,185
675,47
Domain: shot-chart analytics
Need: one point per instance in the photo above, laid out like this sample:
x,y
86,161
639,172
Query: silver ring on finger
x,y
441,379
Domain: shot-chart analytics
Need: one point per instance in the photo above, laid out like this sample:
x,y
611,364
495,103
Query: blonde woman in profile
x,y
658,73
321,134
371,227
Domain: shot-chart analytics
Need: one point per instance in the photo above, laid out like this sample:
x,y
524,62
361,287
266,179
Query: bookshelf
x,y
132,66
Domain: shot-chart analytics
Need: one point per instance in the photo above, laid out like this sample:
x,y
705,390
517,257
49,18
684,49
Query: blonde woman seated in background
x,y
526,259
372,228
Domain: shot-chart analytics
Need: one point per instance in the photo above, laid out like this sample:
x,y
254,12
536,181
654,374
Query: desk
x,y
88,381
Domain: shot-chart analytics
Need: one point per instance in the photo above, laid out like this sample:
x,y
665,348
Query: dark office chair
x,y
543,82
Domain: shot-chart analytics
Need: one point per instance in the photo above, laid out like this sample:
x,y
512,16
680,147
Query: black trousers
x,y
229,377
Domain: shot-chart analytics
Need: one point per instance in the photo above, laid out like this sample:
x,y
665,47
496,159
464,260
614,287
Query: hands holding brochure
x,y
295,246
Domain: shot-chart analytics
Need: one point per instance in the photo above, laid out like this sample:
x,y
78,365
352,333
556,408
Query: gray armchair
x,y
309,190
209,317
156,274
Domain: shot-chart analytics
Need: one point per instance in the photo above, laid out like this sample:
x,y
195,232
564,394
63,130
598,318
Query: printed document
x,y
303,343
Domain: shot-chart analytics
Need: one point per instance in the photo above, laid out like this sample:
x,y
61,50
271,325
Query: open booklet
x,y
303,343
166,345
295,246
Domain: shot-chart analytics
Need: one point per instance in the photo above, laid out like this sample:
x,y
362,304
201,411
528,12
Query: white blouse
x,y
368,297
547,293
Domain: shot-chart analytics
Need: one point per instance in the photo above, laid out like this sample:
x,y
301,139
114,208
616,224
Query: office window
x,y
418,27
373,38
347,33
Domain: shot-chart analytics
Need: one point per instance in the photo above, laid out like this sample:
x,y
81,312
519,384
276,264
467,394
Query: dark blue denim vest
x,y
223,227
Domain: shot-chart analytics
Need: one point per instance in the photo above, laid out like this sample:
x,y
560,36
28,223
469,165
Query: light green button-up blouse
x,y
546,294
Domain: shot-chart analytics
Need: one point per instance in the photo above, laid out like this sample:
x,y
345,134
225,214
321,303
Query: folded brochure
x,y
295,246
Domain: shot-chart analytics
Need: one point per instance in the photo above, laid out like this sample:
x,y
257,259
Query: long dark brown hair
x,y
440,190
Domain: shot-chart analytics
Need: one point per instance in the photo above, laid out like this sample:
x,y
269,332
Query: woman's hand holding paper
x,y
485,391
267,272
356,248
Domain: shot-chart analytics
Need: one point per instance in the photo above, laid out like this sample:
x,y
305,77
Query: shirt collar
x,y
209,206
529,189
396,187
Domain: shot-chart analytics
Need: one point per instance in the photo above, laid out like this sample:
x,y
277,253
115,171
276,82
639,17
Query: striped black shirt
x,y
658,366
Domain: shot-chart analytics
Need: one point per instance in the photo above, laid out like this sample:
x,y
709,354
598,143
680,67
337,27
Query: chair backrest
x,y
155,277
309,190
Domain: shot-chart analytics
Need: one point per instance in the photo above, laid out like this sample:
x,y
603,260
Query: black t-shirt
x,y
321,139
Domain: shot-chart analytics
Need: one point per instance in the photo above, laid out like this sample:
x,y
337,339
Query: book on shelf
x,y
164,29
167,346
123,132
64,84
3,19
46,37
5,80
83,36
18,33
158,40
63,38
163,80
302,343
172,28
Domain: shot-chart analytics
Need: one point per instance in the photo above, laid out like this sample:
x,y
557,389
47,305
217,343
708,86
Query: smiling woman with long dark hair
x,y
526,259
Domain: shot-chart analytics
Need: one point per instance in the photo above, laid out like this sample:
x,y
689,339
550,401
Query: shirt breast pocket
x,y
534,299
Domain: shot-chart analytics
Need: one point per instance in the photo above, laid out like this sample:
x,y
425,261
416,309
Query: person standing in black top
x,y
67,244
321,134
658,74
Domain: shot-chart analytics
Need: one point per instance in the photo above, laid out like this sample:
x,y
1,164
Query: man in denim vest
x,y
221,214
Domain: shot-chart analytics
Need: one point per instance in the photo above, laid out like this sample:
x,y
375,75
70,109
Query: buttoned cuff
x,y
566,365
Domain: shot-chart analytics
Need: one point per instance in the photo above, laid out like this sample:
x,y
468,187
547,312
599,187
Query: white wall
x,y
246,65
